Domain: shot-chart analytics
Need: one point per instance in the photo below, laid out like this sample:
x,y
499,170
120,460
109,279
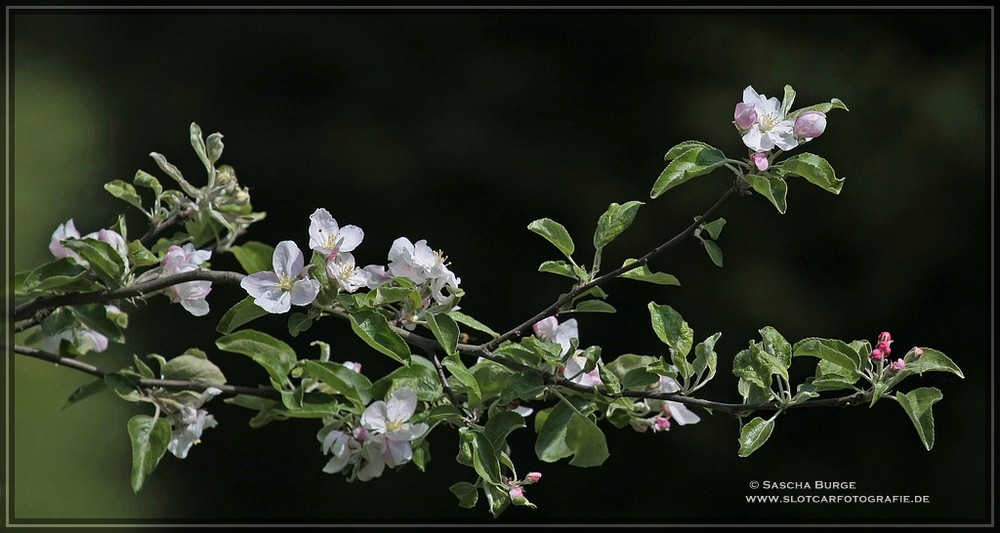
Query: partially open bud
x,y
810,125
745,116
898,365
661,424
532,478
759,160
517,496
918,352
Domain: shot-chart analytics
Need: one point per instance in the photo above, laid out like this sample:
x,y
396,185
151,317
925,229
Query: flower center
x,y
285,283
769,121
394,425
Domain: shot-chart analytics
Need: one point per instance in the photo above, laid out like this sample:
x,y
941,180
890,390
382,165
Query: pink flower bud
x,y
546,327
353,366
745,116
517,496
810,125
885,337
661,424
532,478
759,160
884,346
917,352
877,355
898,365
360,434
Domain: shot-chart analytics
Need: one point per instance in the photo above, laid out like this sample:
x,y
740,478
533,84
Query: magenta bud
x,y
898,365
885,337
884,346
532,477
877,355
759,160
661,424
810,125
745,116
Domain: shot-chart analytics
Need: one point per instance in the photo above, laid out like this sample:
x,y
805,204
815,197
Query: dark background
x,y
461,127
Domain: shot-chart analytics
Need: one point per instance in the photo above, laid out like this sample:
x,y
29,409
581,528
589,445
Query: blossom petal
x,y
287,259
397,452
374,416
350,237
304,291
260,283
401,405
681,414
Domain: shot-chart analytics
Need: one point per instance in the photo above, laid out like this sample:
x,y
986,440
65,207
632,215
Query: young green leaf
x,y
502,424
555,233
771,187
594,306
754,434
466,380
374,329
62,273
86,391
356,387
917,404
643,273
933,361
671,328
714,228
714,252
467,494
103,258
298,322
192,368
825,107
814,169
697,161
614,221
274,355
445,331
467,320
241,313
149,442
144,179
678,149
561,268
787,100
253,256
587,442
835,351
124,192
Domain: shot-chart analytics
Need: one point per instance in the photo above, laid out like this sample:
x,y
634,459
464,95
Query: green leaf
x,y
705,358
678,149
775,344
125,192
826,107
241,313
253,256
587,441
814,169
375,330
274,355
671,328
492,377
933,361
213,147
609,378
86,391
354,386
594,306
484,455
771,187
550,446
769,363
140,255
144,179
697,161
95,317
62,273
561,268
555,233
149,442
831,376
627,362
751,369
192,368
787,100
467,494
754,434
298,322
524,385
467,381
614,221
643,273
917,404
445,331
714,252
714,228
172,171
639,379
467,320
103,258
502,424
832,350
421,376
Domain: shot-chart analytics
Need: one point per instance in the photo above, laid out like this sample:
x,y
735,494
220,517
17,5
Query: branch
x,y
168,384
492,345
26,310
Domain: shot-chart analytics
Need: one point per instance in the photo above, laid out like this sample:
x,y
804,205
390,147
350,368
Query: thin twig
x,y
526,325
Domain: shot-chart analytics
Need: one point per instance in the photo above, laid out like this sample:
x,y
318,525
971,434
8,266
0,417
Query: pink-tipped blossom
x,y
877,355
898,365
353,366
771,129
190,294
550,330
661,424
884,347
532,478
744,116
759,160
810,125
517,495
885,337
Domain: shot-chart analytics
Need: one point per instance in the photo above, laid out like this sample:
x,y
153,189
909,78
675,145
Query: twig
x,y
526,325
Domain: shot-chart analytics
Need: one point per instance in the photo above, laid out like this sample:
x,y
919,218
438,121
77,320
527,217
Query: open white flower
x,y
549,329
413,261
675,411
328,238
189,423
391,420
344,271
771,128
573,371
277,291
